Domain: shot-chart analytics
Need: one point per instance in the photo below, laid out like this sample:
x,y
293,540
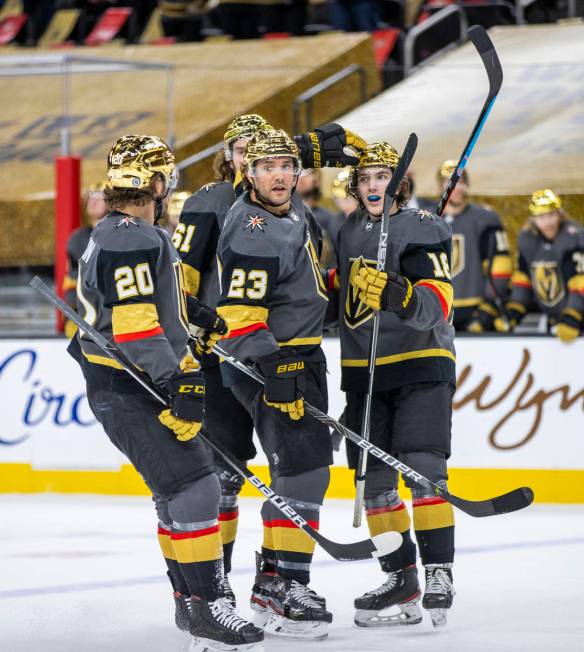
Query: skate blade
x,y
403,614
280,627
200,644
438,617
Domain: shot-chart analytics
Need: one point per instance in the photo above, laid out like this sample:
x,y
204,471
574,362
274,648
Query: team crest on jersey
x,y
458,254
127,222
547,282
356,312
254,222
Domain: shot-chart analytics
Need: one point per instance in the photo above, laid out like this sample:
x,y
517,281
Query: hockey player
x,y
195,238
549,269
131,289
95,210
481,263
414,382
273,300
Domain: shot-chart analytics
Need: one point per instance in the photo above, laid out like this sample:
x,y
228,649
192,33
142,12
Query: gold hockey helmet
x,y
446,169
544,201
339,184
271,143
244,126
375,155
176,202
135,159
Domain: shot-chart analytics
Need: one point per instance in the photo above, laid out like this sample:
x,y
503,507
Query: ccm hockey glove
x,y
186,392
569,325
324,147
386,291
283,382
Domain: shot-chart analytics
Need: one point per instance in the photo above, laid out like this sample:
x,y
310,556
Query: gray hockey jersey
x,y
481,263
550,272
413,350
272,292
131,289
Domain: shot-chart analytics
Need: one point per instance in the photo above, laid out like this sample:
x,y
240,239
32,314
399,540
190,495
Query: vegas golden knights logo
x,y
547,281
356,312
458,254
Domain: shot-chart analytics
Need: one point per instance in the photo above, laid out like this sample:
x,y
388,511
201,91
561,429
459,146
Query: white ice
x,y
84,574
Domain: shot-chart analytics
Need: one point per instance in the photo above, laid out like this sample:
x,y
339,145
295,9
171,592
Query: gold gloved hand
x,y
371,282
205,342
475,326
70,328
567,333
184,430
295,409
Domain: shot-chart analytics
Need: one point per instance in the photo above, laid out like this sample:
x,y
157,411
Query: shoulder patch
x,y
426,217
127,221
253,222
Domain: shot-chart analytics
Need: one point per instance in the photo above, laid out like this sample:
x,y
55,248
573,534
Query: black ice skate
x,y
262,590
228,591
293,612
182,615
216,626
439,592
395,602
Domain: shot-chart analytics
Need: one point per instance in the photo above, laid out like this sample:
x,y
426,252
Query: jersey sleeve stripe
x,y
243,319
140,335
443,291
576,284
520,279
238,332
192,279
501,267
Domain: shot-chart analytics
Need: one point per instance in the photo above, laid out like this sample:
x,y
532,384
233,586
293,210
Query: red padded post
x,y
67,216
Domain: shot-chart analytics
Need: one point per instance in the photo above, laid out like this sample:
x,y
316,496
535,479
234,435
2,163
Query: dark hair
x,y
117,198
403,194
222,168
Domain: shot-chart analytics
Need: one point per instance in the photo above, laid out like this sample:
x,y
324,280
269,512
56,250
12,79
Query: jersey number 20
x,y
130,282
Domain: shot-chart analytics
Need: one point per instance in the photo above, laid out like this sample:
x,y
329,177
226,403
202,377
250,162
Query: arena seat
x,y
109,26
10,27
60,28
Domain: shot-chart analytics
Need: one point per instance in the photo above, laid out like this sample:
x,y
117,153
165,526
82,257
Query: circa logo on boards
x,y
41,403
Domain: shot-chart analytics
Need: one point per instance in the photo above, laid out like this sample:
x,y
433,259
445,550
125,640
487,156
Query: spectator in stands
x,y
240,20
480,264
286,16
549,269
309,189
355,15
415,201
95,210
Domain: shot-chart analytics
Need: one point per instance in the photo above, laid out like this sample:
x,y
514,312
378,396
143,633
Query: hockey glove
x,y
205,325
324,147
569,325
514,314
386,291
284,382
482,318
186,393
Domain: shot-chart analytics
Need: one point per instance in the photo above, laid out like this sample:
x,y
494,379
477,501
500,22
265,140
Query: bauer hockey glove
x,y
324,147
386,291
569,325
283,382
186,392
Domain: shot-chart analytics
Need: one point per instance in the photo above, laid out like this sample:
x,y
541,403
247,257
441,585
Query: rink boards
x,y
518,420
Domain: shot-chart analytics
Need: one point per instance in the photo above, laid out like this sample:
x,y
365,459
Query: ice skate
x,y
439,592
182,615
293,612
228,591
395,602
217,626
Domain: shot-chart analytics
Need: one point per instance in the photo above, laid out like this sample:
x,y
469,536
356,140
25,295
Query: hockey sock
x,y
434,526
228,520
199,554
176,577
268,552
386,513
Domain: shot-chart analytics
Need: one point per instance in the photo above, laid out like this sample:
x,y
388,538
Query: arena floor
x,y
84,573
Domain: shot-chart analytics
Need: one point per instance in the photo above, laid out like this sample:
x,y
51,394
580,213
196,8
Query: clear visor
x,y
284,167
173,180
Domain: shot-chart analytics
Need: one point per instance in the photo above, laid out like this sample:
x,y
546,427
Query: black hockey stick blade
x,y
404,163
377,546
509,502
482,42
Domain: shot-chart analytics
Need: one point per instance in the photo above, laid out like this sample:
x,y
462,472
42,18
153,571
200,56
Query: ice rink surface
x,y
84,574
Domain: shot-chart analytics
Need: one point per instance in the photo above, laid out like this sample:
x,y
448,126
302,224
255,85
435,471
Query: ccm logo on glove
x,y
192,389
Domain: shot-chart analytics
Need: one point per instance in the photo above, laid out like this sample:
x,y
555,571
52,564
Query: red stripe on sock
x,y
383,510
419,502
287,523
228,516
177,536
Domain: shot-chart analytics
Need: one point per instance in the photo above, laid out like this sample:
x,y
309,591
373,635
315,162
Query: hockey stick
x,y
377,546
509,502
390,191
486,49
